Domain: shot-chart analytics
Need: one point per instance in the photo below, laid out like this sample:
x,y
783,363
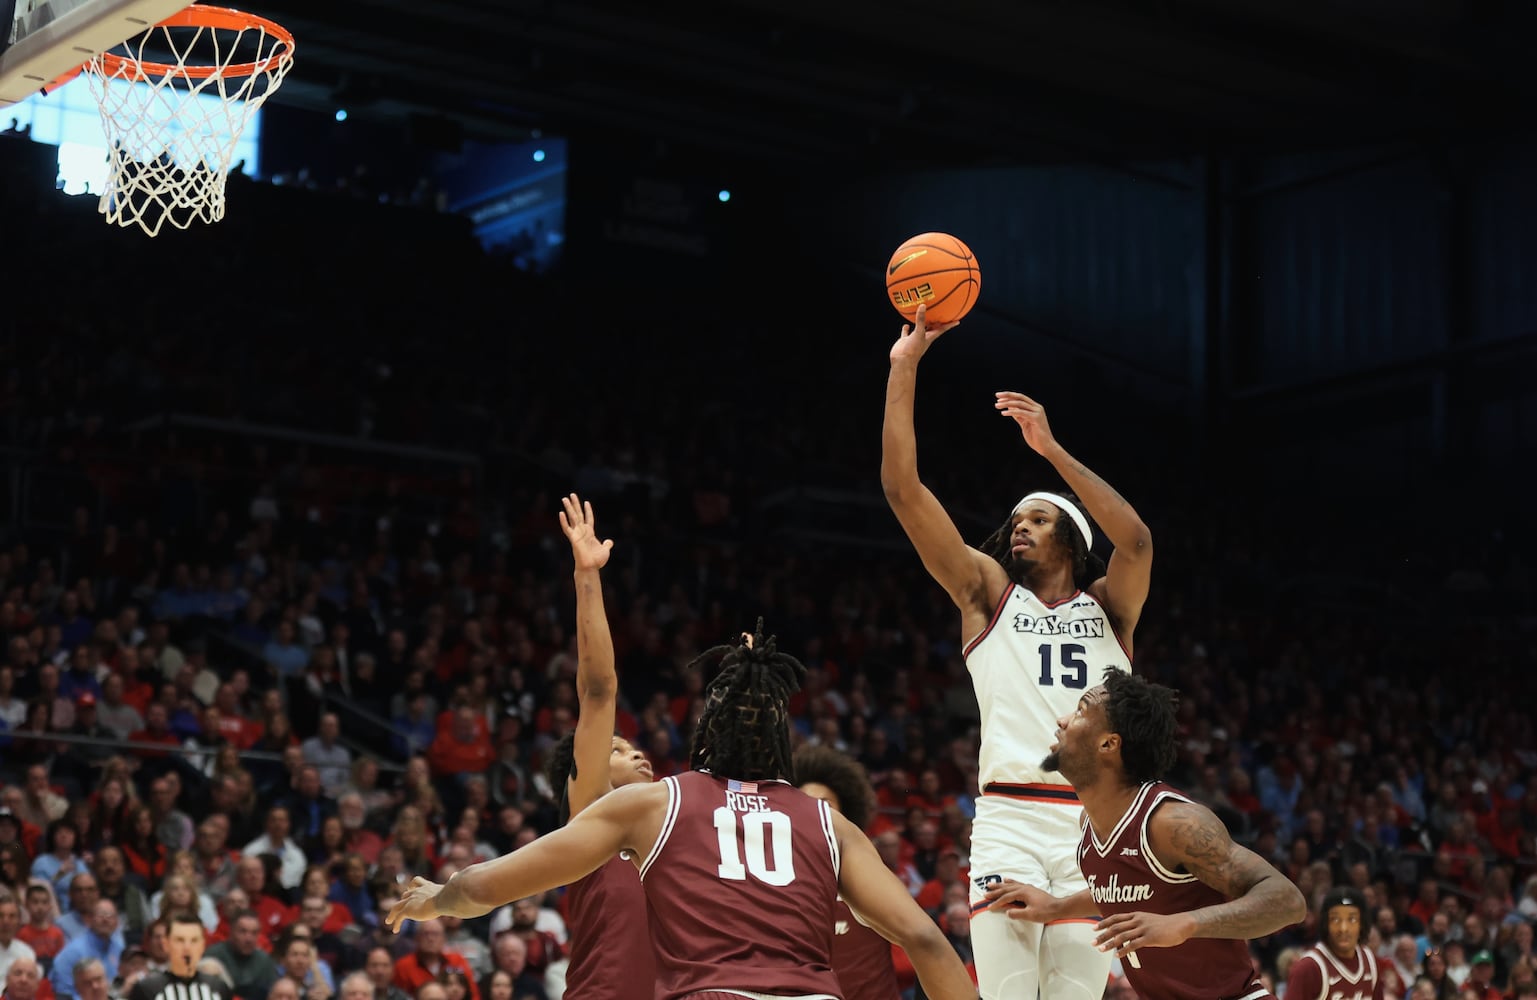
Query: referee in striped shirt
x,y
180,980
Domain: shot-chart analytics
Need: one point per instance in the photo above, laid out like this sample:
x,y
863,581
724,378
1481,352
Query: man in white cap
x,y
1042,622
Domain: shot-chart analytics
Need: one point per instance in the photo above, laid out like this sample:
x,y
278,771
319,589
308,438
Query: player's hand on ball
x,y
420,902
1031,418
917,336
1126,932
1021,901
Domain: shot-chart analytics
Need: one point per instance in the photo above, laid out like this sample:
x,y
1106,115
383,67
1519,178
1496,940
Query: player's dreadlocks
x,y
744,730
843,775
1087,567
560,768
1143,714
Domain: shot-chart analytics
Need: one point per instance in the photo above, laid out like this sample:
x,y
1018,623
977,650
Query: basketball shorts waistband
x,y
1032,792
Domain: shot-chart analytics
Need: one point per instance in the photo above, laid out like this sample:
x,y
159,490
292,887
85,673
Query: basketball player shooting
x,y
610,954
1041,624
1180,900
741,871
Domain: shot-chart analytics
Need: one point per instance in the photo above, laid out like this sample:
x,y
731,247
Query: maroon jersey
x,y
1125,877
742,888
1319,975
610,945
862,960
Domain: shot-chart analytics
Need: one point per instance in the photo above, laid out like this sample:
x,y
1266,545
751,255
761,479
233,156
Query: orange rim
x,y
202,17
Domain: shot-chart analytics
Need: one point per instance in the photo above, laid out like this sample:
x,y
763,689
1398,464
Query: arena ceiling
x,y
836,82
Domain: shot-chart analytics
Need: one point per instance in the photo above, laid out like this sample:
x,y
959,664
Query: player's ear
x,y
1110,743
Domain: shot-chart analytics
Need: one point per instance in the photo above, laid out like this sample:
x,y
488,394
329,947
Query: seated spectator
x,y
173,828
456,985
300,963
252,878
379,966
275,841
142,851
12,948
40,932
61,861
100,940
356,837
179,894
543,947
112,882
511,974
214,861
460,939
424,964
464,749
350,889
251,970
310,809
330,758
92,981
40,804
114,713
356,986
24,981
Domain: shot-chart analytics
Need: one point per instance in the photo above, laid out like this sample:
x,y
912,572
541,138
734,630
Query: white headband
x,y
1067,507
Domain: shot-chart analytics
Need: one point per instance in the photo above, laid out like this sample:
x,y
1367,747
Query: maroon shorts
x,y
715,995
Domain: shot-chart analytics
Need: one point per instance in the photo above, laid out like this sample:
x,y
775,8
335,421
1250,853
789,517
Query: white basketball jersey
x,y
1030,666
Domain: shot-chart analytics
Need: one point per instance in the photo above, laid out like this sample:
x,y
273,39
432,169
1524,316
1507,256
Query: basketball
x,y
935,270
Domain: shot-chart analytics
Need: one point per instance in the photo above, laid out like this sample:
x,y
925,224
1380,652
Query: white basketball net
x,y
172,126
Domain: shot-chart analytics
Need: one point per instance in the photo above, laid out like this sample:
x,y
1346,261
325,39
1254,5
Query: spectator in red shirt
x,y
40,933
429,959
251,875
156,730
237,730
464,749
947,872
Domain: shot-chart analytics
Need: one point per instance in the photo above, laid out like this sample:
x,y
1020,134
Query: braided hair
x,y
559,769
1087,567
744,730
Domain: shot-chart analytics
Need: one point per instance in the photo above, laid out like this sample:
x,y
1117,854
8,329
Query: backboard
x,y
41,40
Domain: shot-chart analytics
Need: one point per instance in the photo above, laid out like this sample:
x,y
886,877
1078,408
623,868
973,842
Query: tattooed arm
x,y
1188,837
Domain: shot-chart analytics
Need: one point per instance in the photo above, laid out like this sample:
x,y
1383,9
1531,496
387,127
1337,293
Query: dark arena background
x,y
1271,268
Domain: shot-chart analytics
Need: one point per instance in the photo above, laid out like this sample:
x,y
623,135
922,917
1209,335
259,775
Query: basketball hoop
x,y
172,125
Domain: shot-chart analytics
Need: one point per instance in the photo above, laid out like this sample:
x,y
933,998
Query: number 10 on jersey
x,y
756,828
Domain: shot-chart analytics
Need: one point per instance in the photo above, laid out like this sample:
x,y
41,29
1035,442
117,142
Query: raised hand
x,y
419,902
1031,418
916,338
581,531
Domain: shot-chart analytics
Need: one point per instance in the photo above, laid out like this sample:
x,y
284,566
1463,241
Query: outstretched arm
x,y
883,903
618,821
956,566
1189,837
1124,588
597,683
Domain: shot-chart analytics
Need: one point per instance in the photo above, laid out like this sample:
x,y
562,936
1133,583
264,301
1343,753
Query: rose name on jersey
x,y
742,802
1078,628
1114,892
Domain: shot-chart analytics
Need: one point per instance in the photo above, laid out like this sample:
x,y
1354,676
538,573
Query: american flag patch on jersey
x,y
747,787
